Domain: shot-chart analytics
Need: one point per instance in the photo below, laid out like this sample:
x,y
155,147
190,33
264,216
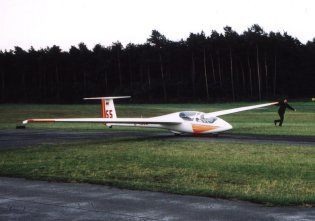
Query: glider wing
x,y
235,110
104,120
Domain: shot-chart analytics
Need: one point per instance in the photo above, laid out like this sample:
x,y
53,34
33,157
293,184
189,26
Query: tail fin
x,y
107,105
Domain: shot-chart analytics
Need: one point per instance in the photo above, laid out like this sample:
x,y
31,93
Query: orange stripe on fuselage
x,y
199,128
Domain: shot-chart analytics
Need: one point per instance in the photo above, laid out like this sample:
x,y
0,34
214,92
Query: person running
x,y
283,105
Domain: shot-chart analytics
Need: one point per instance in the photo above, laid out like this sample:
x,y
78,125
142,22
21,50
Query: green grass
x,y
272,174
300,123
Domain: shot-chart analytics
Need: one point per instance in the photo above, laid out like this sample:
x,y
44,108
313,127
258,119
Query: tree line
x,y
254,65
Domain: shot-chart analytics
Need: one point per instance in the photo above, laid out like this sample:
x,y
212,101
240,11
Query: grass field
x,y
300,123
272,174
269,173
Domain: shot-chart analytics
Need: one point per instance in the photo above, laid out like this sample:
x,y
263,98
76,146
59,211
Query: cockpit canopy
x,y
196,116
187,115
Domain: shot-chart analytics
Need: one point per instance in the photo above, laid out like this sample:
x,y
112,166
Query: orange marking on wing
x,y
199,128
41,121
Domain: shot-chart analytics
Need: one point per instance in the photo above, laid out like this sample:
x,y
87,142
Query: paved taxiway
x,y
22,199
13,138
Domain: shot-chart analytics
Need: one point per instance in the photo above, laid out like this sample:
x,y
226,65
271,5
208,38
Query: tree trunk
x,y
149,76
149,81
130,75
213,71
45,85
57,84
205,71
106,81
219,70
232,80
193,74
250,77
84,84
40,83
243,78
141,74
24,91
266,75
275,77
163,79
258,73
119,70
2,86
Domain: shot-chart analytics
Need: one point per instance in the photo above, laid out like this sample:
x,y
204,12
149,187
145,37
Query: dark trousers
x,y
280,121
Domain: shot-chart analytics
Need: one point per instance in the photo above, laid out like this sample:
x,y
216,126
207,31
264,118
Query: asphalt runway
x,y
22,138
22,199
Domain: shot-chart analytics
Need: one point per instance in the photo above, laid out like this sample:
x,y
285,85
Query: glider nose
x,y
227,126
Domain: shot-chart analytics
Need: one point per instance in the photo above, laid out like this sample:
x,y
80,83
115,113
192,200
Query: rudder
x,y
107,105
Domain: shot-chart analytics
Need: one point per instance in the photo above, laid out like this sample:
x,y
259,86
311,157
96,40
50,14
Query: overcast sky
x,y
42,23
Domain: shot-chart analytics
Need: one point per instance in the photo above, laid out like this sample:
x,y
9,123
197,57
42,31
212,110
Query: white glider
x,y
180,122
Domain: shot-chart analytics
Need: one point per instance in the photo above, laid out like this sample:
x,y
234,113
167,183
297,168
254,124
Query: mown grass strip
x,y
272,174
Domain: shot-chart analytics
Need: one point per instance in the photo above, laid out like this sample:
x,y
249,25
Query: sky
x,y
44,23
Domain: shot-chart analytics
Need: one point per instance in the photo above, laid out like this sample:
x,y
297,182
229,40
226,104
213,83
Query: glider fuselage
x,y
190,122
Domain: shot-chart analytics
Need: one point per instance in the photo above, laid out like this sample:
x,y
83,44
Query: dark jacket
x,y
283,106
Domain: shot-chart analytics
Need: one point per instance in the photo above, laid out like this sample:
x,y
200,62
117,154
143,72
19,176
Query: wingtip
x,y
25,122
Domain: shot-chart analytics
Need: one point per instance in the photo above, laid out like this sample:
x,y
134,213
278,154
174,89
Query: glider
x,y
179,122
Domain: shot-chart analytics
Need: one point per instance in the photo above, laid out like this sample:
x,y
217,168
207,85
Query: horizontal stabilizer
x,y
105,98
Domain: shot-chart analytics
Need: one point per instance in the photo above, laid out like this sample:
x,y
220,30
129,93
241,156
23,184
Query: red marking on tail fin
x,y
103,108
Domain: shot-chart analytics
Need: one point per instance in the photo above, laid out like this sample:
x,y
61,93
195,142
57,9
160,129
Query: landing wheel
x,y
176,133
20,127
